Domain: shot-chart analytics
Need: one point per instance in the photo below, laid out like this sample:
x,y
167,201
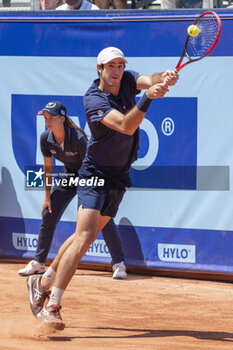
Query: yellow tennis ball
x,y
193,30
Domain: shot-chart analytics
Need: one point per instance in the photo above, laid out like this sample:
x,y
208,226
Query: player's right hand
x,y
157,91
46,204
170,77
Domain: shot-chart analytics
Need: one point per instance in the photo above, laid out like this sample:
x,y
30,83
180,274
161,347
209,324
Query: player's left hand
x,y
170,77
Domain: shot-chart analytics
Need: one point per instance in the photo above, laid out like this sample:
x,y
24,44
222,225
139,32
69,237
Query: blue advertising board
x,y
177,215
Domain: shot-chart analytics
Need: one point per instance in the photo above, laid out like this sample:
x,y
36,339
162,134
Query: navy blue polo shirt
x,y
110,152
74,148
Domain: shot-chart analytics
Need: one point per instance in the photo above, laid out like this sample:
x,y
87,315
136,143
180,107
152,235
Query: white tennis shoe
x,y
37,294
119,271
33,267
52,316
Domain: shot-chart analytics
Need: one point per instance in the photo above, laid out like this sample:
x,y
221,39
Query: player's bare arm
x,y
128,123
168,77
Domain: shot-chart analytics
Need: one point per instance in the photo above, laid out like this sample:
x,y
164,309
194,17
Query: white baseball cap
x,y
110,53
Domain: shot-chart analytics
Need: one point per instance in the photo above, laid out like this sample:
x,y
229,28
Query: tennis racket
x,y
200,46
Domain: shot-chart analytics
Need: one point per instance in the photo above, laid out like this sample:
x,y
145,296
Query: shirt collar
x,y
96,86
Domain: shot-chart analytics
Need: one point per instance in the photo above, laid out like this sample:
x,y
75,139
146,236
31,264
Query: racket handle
x,y
177,69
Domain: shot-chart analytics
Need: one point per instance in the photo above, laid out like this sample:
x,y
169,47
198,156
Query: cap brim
x,y
106,61
48,111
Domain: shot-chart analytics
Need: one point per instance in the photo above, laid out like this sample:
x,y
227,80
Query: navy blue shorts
x,y
103,199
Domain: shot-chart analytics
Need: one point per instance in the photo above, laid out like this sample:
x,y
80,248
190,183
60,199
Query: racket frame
x,y
179,65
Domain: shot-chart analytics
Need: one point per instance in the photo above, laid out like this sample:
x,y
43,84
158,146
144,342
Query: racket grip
x,y
177,69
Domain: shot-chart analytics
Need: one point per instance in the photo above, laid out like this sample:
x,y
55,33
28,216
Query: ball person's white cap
x,y
110,53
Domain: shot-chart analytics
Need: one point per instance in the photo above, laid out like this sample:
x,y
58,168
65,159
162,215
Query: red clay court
x,y
142,312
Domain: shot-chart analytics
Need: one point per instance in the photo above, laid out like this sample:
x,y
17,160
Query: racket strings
x,y
208,30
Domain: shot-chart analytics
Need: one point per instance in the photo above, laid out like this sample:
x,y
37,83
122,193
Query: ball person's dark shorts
x,y
103,199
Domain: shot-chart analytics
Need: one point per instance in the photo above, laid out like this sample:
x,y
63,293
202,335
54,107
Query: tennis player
x,y
114,119
65,141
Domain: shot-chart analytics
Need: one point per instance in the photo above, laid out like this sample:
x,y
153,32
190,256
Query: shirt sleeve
x,y
135,76
44,145
97,107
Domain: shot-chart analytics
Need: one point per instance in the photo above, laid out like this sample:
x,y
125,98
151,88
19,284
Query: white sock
x,y
48,278
55,297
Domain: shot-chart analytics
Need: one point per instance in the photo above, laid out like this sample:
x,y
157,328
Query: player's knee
x,y
86,238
